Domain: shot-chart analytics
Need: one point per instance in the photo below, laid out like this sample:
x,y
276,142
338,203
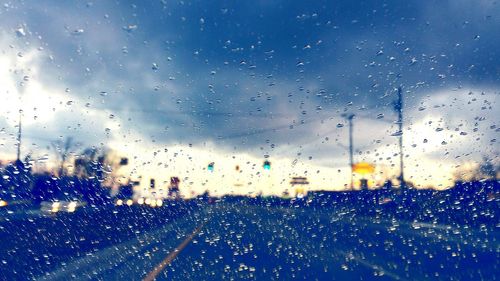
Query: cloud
x,y
249,82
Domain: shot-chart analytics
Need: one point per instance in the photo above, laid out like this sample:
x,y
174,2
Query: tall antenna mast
x,y
19,136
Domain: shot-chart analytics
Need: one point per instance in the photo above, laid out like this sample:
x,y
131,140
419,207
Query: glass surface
x,y
249,140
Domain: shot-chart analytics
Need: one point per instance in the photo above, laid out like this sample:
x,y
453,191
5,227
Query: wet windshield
x,y
260,140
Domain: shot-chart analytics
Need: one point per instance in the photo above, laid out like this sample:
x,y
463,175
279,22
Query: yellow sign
x,y
363,168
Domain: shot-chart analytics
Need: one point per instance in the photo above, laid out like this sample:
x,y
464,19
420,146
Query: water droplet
x,y
78,31
20,32
397,134
130,28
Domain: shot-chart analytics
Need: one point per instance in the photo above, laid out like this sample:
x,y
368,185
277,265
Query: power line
x,y
198,113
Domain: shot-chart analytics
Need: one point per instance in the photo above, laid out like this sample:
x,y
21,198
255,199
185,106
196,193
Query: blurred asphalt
x,y
253,242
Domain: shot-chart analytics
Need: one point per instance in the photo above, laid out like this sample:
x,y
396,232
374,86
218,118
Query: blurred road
x,y
237,242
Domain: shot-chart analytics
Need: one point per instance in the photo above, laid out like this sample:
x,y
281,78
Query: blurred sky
x,y
175,85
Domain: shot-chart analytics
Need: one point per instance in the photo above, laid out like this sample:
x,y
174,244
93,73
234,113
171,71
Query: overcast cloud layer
x,y
249,79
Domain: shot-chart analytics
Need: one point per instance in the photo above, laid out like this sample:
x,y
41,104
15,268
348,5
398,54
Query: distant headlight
x,y
119,202
159,202
71,207
3,203
55,207
140,201
130,202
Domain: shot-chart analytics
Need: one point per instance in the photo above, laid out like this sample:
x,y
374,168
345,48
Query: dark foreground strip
x,y
159,268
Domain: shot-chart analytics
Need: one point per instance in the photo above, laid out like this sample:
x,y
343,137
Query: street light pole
x,y
19,137
398,106
351,160
349,118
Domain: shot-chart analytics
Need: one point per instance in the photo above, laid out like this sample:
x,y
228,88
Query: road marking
x,y
370,265
159,268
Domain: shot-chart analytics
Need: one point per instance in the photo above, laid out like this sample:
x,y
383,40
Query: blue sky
x,y
263,78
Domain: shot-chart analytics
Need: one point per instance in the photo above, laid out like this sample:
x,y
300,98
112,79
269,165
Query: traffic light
x,y
211,167
123,161
267,165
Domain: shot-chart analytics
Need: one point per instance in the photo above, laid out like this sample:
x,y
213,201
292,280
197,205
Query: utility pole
x,y
19,136
349,118
398,106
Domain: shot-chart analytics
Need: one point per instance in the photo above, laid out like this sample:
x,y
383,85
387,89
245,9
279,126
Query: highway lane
x,y
259,243
32,245
294,243
130,260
